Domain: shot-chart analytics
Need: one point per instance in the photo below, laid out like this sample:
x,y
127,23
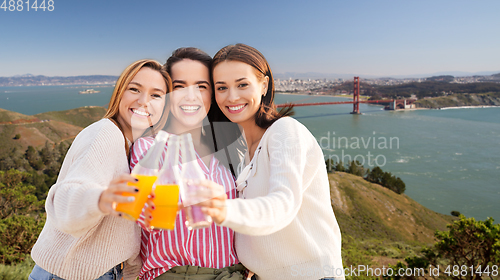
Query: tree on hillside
x,y
375,175
21,216
340,167
43,165
356,168
330,165
16,197
393,183
34,158
469,249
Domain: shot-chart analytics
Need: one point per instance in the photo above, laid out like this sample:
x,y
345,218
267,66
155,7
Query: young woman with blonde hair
x,y
84,237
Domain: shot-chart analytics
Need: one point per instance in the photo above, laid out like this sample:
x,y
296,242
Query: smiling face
x,y
143,98
238,91
191,97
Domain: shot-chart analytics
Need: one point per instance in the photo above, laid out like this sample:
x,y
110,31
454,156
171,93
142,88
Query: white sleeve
x,y
271,213
72,202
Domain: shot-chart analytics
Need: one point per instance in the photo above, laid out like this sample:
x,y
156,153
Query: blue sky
x,y
346,37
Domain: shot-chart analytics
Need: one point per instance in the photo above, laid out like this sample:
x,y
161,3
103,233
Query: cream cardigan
x,y
78,241
285,225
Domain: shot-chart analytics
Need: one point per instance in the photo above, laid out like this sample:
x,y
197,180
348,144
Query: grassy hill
x,y
52,127
380,227
9,116
460,99
81,117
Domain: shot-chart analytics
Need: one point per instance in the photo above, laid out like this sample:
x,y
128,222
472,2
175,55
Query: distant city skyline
x,y
365,38
316,75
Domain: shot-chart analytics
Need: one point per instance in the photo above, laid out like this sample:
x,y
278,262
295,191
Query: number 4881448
x,y
19,5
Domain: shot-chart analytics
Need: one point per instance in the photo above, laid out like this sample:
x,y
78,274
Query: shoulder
x,y
102,133
286,123
147,140
287,128
104,126
139,149
288,133
141,145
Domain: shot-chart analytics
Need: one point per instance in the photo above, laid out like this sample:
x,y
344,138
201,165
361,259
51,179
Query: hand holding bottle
x,y
113,194
214,200
165,196
146,170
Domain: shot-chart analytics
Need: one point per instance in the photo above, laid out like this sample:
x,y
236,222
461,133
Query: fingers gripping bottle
x,y
191,171
146,171
166,188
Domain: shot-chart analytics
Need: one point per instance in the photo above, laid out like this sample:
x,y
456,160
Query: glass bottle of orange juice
x,y
146,170
191,171
166,188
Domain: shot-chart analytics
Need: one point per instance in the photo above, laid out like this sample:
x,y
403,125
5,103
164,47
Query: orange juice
x,y
133,210
166,199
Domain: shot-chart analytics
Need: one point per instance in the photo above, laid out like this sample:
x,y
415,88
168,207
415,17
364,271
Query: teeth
x,y
236,108
190,108
141,113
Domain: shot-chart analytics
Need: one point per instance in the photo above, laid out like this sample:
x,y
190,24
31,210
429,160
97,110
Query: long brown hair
x,y
267,113
121,85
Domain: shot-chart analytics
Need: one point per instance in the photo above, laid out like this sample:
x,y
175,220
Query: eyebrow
x,y
184,82
135,83
156,89
238,80
160,90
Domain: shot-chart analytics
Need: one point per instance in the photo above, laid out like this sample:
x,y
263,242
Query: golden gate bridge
x,y
394,104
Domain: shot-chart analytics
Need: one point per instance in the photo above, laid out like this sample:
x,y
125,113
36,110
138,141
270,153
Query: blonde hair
x,y
121,85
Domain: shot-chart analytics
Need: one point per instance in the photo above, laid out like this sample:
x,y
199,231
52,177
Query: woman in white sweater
x,y
84,237
285,225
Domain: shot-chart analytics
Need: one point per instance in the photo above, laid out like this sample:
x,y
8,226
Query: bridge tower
x,y
355,97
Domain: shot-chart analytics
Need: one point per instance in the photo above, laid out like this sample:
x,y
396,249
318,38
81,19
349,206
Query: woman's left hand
x,y
214,200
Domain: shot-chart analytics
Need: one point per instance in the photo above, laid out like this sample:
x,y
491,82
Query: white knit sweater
x,y
78,241
285,225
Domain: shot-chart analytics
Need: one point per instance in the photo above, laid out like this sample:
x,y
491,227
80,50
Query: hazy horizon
x,y
317,75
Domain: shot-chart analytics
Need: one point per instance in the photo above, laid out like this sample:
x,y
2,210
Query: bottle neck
x,y
189,148
152,158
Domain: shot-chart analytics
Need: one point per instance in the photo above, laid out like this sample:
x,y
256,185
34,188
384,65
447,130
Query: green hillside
x,y
380,227
366,210
460,99
81,117
51,127
9,116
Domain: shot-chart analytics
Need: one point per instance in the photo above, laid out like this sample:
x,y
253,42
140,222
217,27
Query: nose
x,y
143,99
232,96
192,93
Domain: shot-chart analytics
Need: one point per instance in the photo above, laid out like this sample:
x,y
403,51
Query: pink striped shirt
x,y
209,247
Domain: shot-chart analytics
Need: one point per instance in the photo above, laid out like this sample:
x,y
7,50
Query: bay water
x,y
449,159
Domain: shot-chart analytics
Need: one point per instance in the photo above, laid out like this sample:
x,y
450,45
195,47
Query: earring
x,y
203,131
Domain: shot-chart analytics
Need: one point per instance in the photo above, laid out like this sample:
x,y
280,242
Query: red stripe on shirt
x,y
207,247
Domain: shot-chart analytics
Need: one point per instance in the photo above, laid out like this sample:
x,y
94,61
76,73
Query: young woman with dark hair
x,y
283,218
206,253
